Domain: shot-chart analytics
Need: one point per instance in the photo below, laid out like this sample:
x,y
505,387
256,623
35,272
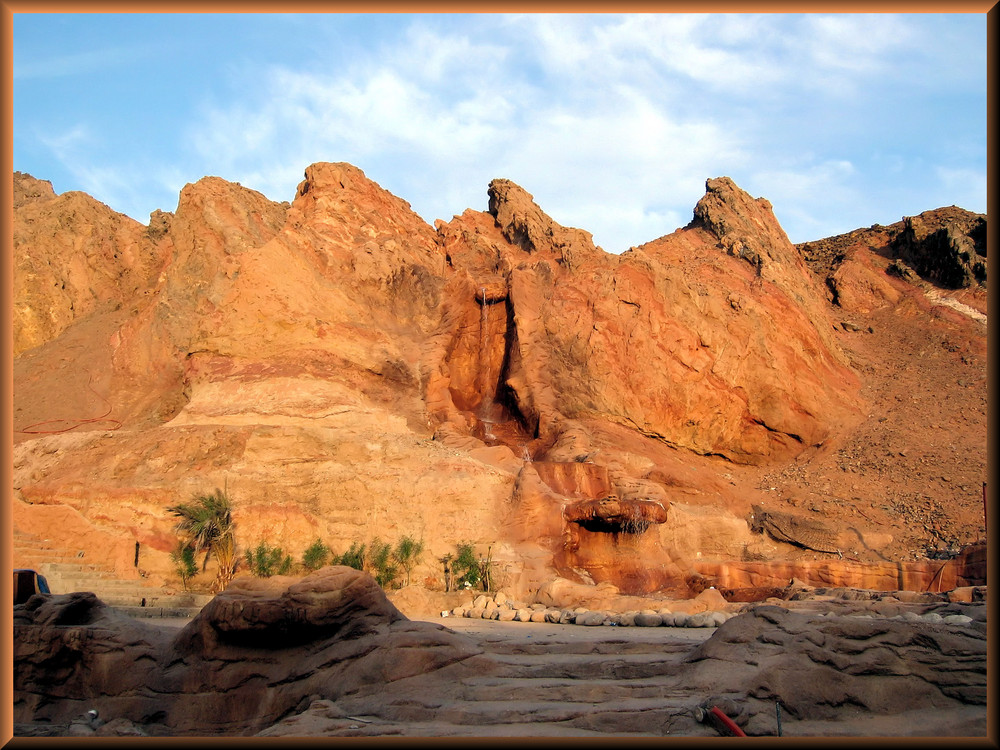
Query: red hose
x,y
724,724
30,429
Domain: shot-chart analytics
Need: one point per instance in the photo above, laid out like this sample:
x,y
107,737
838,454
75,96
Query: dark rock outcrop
x,y
262,649
947,246
818,667
614,514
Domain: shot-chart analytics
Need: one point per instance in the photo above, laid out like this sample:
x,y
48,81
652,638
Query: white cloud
x,y
965,186
448,60
808,178
65,144
613,123
809,195
718,51
613,138
72,148
854,43
602,170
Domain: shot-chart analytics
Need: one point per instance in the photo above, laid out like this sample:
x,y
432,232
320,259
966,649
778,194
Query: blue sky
x,y
612,122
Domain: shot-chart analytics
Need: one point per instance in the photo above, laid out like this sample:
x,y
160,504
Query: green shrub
x,y
407,554
266,561
316,556
380,563
469,571
354,557
184,562
465,566
375,558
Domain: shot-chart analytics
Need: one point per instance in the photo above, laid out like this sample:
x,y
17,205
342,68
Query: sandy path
x,y
492,631
532,680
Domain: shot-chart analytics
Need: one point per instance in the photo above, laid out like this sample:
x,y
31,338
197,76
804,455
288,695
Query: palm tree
x,y
207,524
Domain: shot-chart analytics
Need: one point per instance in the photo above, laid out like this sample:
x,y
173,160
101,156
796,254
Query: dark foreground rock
x,y
258,651
329,655
835,667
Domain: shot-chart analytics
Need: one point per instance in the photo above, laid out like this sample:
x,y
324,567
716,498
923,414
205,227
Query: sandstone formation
x,y
346,371
328,655
258,651
817,667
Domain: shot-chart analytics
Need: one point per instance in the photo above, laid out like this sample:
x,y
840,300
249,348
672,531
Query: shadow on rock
x,y
261,650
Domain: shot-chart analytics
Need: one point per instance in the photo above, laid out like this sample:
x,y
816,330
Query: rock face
x,y
256,652
347,371
815,667
93,260
328,655
966,569
946,246
949,248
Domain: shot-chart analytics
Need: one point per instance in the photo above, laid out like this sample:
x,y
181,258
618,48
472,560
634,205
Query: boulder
x,y
818,668
589,619
647,620
712,599
254,653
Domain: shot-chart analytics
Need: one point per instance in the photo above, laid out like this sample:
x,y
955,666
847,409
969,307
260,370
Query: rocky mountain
x,y
347,371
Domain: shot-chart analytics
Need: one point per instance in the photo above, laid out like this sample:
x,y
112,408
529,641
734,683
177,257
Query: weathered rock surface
x,y
328,655
968,568
73,257
348,371
258,651
947,246
815,668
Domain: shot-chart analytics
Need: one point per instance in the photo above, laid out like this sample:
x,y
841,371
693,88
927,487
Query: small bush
x,y
184,562
380,563
354,557
316,556
465,566
469,571
266,561
407,554
375,558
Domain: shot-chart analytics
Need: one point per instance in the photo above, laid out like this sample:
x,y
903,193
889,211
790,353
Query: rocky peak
x,y
520,220
73,255
28,189
947,246
333,193
221,217
347,223
526,226
746,227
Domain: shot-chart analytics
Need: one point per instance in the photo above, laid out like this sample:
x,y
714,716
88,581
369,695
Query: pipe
x,y
724,724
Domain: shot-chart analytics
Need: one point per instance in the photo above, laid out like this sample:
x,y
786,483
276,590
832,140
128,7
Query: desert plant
x,y
316,555
465,567
486,570
206,524
407,554
374,558
184,563
380,563
355,557
265,561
